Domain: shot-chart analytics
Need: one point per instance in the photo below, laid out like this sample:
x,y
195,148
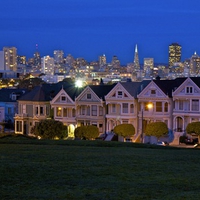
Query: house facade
x,y
186,100
175,102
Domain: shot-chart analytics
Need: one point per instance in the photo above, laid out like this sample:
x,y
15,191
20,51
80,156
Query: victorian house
x,y
122,105
91,107
34,107
186,99
155,104
64,107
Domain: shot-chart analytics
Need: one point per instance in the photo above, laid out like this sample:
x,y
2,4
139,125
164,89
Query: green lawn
x,y
97,170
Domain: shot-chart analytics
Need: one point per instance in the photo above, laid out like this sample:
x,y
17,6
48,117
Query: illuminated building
x,y
148,62
10,58
47,65
194,64
102,60
21,60
1,60
174,54
136,59
58,56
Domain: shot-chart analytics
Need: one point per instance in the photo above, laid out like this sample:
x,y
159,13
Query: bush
x,y
124,130
86,132
50,129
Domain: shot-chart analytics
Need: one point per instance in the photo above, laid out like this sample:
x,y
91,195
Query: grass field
x,y
97,170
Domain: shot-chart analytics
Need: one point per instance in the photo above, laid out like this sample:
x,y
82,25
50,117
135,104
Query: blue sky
x,y
89,28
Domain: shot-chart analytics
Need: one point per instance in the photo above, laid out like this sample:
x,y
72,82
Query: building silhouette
x,y
174,54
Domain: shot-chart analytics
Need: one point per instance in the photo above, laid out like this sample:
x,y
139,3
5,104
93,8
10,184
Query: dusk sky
x,y
89,28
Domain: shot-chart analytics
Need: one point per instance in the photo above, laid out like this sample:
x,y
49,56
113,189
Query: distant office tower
x,y
1,60
70,61
115,62
21,60
136,61
148,63
10,58
194,64
58,56
102,60
47,65
37,59
174,54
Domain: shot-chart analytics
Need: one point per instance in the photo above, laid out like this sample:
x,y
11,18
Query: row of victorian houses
x,y
175,102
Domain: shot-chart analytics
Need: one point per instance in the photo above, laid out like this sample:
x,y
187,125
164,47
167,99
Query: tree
x,y
157,129
194,127
50,129
124,130
30,83
86,132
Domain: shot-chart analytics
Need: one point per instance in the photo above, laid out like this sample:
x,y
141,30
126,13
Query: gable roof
x,y
46,92
102,90
134,88
168,86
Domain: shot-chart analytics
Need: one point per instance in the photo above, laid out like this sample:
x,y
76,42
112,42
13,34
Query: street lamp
x,y
149,106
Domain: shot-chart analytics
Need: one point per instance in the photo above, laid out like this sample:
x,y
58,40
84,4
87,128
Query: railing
x,y
21,115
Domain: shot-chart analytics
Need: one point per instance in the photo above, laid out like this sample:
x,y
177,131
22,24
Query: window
x,y
19,126
73,112
166,107
113,108
89,96
158,106
94,110
64,112
88,111
23,109
100,111
36,110
101,127
195,105
47,110
63,98
153,92
58,111
189,90
132,108
119,94
9,110
180,104
41,110
125,108
83,110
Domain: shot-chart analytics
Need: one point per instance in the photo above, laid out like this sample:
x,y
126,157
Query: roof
x,y
134,88
168,86
102,90
6,94
46,92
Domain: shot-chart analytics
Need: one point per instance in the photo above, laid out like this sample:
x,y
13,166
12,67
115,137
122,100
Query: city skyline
x,y
90,29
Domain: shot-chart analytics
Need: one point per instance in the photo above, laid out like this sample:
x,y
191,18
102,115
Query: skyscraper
x,y
174,54
102,60
10,58
136,60
47,65
58,56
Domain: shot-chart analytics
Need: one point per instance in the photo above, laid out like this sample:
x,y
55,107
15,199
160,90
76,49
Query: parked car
x,y
162,143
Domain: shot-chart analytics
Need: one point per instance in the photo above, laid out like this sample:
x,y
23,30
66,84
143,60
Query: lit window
x,y
158,106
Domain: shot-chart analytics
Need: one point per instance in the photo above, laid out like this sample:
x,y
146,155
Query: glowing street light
x,y
79,83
